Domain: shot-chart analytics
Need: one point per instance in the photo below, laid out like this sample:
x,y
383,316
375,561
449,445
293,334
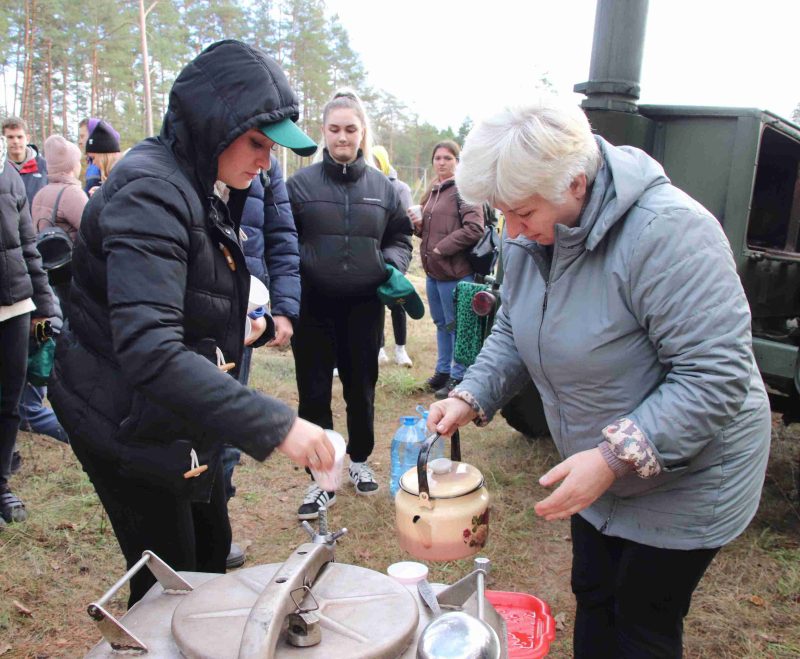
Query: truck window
x,y
774,223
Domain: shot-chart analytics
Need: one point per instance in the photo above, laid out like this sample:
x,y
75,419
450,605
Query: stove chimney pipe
x,y
617,48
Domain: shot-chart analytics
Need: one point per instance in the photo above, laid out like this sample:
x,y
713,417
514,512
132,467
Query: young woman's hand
x,y
257,327
308,446
585,475
448,415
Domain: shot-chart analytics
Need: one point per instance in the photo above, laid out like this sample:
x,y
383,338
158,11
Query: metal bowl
x,y
458,635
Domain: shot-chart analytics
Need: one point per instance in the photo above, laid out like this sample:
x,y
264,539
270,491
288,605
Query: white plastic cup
x,y
259,295
330,480
408,573
416,213
248,327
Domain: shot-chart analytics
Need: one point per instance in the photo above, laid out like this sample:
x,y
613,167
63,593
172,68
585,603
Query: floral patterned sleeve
x,y
480,419
626,449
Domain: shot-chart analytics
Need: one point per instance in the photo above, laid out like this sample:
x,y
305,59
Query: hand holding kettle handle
x,y
422,460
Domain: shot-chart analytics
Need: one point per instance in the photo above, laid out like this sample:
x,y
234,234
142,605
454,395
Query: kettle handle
x,y
422,459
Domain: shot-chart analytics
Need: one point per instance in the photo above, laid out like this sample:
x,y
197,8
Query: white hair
x,y
527,150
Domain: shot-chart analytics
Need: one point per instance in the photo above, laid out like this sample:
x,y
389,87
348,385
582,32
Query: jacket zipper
x,y
346,225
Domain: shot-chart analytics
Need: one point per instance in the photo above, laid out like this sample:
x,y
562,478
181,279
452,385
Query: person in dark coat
x,y
272,255
351,224
25,300
32,168
146,374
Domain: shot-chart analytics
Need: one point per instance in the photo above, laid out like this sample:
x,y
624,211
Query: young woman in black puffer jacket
x,y
350,224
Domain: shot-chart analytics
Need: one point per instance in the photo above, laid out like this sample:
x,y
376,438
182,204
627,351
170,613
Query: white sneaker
x,y
383,358
401,357
314,499
362,477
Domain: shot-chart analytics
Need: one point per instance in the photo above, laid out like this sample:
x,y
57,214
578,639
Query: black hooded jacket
x,y
160,283
350,223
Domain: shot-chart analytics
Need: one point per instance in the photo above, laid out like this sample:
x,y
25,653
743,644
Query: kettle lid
x,y
447,479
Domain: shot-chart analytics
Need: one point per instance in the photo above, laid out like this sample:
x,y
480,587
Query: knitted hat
x,y
62,156
103,139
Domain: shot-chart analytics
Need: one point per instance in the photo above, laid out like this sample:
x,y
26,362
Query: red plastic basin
x,y
531,628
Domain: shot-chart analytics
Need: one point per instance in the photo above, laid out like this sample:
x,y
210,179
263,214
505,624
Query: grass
x,y
65,555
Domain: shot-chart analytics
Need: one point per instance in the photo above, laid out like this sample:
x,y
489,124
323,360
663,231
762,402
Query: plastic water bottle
x,y
405,451
437,450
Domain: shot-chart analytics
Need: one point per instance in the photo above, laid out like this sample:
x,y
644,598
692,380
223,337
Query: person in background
x,y
399,325
622,302
350,224
92,175
24,157
272,255
102,147
63,188
25,301
146,373
448,228
34,415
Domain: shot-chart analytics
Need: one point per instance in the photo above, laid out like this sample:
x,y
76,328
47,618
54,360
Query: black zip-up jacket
x,y
154,294
21,272
350,223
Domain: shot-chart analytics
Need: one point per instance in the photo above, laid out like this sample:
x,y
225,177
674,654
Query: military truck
x,y
741,163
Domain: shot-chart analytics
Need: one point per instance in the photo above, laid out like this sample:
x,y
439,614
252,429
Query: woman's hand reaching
x,y
308,446
585,475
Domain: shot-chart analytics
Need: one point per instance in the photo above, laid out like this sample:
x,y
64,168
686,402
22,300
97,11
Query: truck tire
x,y
525,413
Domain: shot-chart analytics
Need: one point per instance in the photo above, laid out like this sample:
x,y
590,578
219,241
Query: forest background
x,y
64,61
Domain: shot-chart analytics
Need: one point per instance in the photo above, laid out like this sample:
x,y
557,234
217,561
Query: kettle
x,y
442,507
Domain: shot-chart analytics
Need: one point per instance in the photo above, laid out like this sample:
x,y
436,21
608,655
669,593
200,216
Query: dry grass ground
x,y
65,555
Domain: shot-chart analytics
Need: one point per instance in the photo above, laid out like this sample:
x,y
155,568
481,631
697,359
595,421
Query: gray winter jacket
x,y
639,314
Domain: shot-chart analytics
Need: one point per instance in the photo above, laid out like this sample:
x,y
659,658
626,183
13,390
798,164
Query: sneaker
x,y
362,477
11,507
235,557
16,462
383,358
437,380
401,357
444,392
315,499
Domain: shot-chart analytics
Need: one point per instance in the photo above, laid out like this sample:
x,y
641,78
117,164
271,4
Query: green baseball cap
x,y
287,133
397,290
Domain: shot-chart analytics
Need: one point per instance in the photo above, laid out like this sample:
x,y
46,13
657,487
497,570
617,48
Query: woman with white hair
x,y
621,301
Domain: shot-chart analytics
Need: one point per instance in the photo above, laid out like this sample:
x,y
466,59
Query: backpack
x,y
483,255
53,243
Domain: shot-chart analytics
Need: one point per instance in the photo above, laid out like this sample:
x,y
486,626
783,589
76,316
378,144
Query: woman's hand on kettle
x,y
308,445
585,475
257,327
448,415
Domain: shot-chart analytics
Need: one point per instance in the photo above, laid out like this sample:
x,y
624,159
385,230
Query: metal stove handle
x,y
265,622
114,632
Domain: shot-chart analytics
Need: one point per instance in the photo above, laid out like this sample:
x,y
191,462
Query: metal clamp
x,y
114,632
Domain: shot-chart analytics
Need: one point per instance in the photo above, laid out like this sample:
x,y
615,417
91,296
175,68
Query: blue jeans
x,y
443,312
37,417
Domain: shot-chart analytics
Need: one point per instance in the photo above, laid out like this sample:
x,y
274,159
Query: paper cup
x,y
416,212
259,295
331,479
248,327
407,572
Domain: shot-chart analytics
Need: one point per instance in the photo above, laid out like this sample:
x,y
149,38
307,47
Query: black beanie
x,y
102,139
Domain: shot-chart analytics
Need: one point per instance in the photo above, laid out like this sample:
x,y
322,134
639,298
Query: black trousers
x,y
399,327
632,598
343,332
14,334
184,534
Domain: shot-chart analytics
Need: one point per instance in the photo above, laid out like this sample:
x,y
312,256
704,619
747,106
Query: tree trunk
x,y
93,97
49,87
64,98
